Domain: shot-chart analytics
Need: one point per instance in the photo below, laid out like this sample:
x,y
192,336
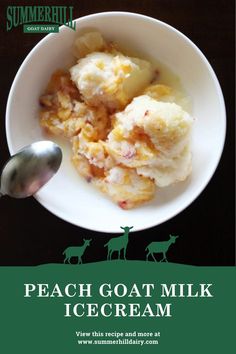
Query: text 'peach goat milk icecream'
x,y
129,135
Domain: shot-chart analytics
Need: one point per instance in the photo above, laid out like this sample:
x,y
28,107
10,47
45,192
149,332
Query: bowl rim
x,y
203,185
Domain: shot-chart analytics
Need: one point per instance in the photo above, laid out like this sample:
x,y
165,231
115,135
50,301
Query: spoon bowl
x,y
28,170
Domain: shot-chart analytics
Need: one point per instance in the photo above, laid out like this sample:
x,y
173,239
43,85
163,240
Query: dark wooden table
x,y
30,235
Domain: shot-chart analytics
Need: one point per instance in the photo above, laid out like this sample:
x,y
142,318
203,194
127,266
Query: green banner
x,y
37,28
113,306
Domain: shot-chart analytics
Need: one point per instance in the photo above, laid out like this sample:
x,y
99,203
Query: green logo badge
x,y
40,19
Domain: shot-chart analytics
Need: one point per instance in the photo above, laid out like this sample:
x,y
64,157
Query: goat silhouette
x,y
160,247
118,243
76,252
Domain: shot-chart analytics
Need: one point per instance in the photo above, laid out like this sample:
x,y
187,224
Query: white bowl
x,y
67,195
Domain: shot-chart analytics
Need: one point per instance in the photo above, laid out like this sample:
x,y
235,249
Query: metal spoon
x,y
27,171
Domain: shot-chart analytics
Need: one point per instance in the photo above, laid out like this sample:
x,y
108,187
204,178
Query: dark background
x,y
30,235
